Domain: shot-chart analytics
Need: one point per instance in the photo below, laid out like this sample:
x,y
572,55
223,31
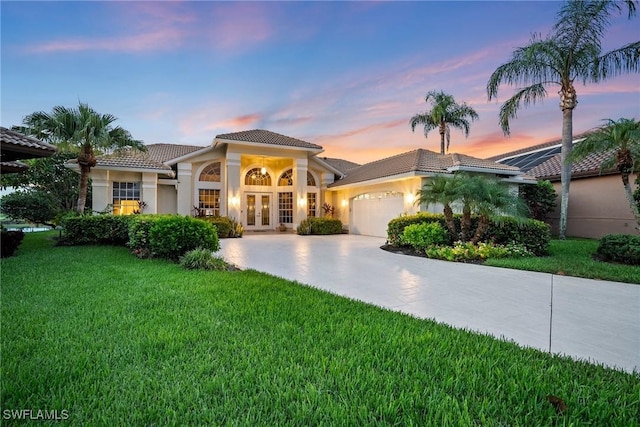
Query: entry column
x,y
300,195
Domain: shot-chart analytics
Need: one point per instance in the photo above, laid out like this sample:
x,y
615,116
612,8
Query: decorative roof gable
x,y
260,136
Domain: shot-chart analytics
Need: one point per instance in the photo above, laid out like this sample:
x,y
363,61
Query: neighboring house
x,y
597,201
264,179
15,146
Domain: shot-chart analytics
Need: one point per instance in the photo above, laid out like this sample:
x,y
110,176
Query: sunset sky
x,y
345,75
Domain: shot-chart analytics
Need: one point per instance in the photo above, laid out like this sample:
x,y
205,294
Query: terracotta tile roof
x,y
153,158
340,164
267,137
10,167
417,161
589,166
16,145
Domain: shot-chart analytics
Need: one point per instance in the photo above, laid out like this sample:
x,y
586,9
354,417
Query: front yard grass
x,y
572,257
115,340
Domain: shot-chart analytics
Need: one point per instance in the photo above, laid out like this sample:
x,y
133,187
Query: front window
x,y
311,204
208,202
286,178
126,198
255,177
285,208
211,173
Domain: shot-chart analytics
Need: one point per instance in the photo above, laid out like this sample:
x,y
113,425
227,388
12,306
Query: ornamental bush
x,y
421,236
534,235
322,226
202,259
222,223
96,230
10,240
623,248
172,236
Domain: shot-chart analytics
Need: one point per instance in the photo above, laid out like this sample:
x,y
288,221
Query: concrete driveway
x,y
592,320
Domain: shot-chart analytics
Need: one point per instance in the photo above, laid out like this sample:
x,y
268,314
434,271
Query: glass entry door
x,y
258,211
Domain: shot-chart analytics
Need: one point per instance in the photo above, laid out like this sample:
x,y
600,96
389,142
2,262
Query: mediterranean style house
x,y
264,179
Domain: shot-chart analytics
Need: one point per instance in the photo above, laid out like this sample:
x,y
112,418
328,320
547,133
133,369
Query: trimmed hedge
x,y
10,240
322,226
623,248
222,223
171,237
162,236
96,230
534,235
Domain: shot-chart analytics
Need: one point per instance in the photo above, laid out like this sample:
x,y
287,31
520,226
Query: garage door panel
x,y
371,215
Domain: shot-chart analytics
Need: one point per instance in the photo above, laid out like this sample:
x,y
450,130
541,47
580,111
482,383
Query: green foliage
x,y
202,259
421,236
222,223
172,236
540,199
34,206
96,230
10,242
534,235
320,226
467,251
623,248
139,230
237,230
51,176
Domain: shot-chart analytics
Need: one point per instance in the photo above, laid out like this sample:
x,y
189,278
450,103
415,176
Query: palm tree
x,y
621,139
441,189
572,52
492,200
85,132
444,114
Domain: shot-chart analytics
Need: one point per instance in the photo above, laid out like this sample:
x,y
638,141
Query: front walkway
x,y
594,320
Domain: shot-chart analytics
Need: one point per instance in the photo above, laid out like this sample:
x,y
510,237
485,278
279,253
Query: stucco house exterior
x,y
597,201
264,179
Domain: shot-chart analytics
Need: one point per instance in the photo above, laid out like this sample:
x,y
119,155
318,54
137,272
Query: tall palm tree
x,y
621,138
84,131
573,51
444,114
443,190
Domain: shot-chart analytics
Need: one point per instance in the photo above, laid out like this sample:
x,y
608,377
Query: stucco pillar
x,y
185,186
300,194
150,192
100,190
233,181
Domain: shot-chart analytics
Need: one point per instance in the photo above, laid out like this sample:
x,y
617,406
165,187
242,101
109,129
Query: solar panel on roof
x,y
528,161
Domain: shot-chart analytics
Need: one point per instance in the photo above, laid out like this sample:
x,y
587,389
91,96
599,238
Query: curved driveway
x,y
594,320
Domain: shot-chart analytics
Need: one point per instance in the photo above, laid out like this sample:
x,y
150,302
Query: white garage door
x,y
372,212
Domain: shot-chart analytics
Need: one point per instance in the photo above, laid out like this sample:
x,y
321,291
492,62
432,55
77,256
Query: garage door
x,y
372,212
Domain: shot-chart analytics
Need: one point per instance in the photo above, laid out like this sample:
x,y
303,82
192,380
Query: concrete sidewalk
x,y
593,320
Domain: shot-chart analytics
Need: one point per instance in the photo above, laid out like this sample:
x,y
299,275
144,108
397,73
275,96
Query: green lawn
x,y
115,340
573,257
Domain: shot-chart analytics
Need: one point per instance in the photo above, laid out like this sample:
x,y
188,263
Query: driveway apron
x,y
592,320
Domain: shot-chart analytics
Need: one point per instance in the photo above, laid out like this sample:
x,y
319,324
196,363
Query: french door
x,y
258,211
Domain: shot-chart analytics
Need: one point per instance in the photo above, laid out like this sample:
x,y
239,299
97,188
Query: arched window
x,y
211,173
255,177
286,178
311,181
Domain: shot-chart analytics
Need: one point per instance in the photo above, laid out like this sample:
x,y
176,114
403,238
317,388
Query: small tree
x,y
35,206
539,198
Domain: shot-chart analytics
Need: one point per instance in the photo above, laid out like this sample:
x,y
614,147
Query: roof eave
x,y
328,166
263,144
168,172
483,170
188,156
407,175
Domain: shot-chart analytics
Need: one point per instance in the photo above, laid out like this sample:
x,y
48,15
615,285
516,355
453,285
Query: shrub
x,y
420,236
96,229
623,248
322,226
534,235
139,230
10,242
172,236
539,198
222,223
467,251
202,259
237,230
36,206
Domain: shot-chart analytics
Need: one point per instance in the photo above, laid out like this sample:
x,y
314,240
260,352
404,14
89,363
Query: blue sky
x,y
344,75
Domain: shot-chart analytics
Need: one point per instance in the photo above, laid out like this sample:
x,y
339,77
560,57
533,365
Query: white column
x,y
150,192
300,193
185,186
100,196
233,181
